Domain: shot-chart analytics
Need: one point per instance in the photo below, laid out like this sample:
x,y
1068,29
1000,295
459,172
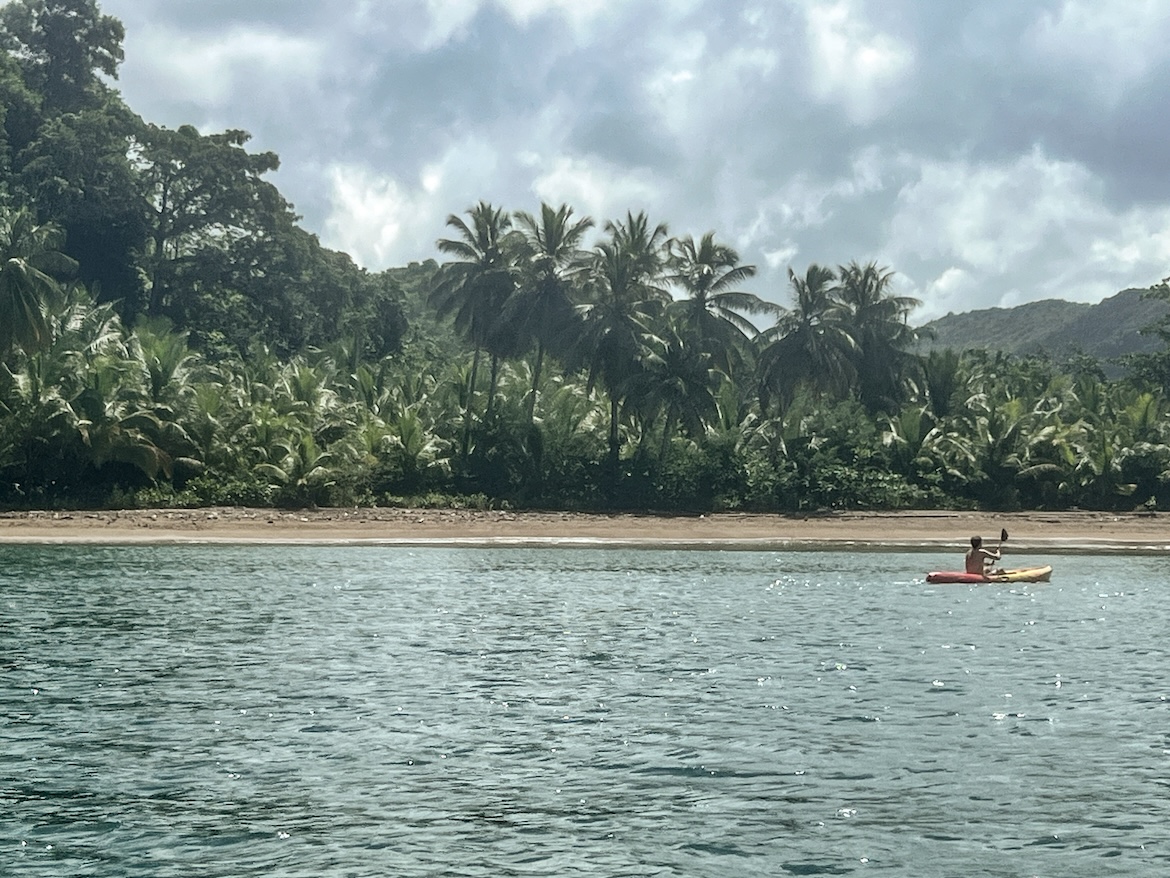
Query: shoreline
x,y
1061,532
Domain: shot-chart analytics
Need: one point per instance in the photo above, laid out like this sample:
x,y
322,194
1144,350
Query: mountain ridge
x,y
1058,328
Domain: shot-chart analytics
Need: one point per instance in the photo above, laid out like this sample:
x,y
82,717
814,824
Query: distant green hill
x,y
1058,328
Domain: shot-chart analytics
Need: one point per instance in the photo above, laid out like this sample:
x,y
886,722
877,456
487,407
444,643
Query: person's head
x,y
976,542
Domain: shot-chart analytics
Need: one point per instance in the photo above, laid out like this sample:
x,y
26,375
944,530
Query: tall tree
x,y
712,313
1153,369
62,46
810,345
877,321
475,287
943,379
678,380
30,266
626,295
68,134
166,357
643,246
552,265
19,115
205,199
77,172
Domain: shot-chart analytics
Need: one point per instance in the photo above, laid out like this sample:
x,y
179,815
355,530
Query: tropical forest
x,y
171,336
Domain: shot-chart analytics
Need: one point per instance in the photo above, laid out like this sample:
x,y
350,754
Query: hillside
x,y
1058,328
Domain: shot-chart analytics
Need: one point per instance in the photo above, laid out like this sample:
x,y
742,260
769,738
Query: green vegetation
x,y
169,335
1108,330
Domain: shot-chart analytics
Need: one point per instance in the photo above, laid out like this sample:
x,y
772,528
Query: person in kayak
x,y
980,559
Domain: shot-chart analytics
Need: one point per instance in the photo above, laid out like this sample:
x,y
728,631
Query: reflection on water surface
x,y
315,711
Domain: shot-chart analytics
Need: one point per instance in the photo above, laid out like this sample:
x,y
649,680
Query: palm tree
x,y
302,470
98,373
1140,415
680,380
943,378
553,265
709,273
30,262
115,425
625,296
810,346
643,245
997,433
166,356
38,427
1098,479
475,289
209,417
883,338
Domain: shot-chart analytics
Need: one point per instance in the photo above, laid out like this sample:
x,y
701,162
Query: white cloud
x,y
780,258
594,188
381,221
1033,228
950,291
851,64
1113,45
988,216
698,91
207,72
368,216
447,19
579,13
751,119
672,86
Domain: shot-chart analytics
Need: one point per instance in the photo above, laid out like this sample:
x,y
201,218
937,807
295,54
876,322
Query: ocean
x,y
389,711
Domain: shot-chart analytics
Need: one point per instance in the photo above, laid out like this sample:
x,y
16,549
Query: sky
x,y
989,152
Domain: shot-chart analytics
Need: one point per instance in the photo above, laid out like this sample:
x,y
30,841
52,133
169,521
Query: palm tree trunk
x,y
157,286
467,414
535,379
492,385
614,411
667,429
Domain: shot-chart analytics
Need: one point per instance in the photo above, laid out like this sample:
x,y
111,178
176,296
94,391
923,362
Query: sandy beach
x,y
1061,531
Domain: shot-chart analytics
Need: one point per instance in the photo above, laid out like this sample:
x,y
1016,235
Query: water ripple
x,y
307,711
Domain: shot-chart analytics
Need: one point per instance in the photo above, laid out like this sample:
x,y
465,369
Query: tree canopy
x,y
171,334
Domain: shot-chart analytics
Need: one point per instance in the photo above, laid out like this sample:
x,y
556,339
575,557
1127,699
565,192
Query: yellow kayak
x,y
1025,574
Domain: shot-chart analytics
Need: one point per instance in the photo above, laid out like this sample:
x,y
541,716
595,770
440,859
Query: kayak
x,y
1026,574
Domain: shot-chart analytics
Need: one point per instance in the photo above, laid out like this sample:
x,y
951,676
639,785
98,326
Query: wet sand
x,y
1058,531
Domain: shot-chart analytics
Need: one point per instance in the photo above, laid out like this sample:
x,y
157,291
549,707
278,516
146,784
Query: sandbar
x,y
1089,532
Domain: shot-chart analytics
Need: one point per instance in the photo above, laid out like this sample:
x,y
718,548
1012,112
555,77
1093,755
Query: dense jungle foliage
x,y
169,335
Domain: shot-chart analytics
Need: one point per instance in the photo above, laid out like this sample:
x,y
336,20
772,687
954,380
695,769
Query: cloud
x,y
1039,227
579,13
377,220
207,72
986,153
443,21
806,204
853,64
595,188
382,219
1108,46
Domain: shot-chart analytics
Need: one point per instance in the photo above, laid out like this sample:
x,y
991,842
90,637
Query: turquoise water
x,y
316,711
